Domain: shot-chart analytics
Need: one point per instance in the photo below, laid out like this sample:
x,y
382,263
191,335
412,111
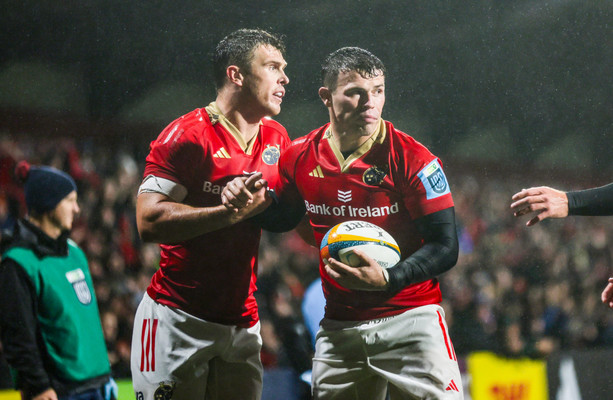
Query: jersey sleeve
x,y
173,153
426,188
596,202
286,189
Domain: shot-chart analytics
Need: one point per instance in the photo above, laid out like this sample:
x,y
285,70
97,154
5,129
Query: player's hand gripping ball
x,y
342,239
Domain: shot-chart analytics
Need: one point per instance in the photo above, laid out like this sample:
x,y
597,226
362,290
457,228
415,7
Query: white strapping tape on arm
x,y
154,184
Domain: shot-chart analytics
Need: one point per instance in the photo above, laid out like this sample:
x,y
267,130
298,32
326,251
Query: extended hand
x,y
241,191
607,294
545,201
246,196
367,276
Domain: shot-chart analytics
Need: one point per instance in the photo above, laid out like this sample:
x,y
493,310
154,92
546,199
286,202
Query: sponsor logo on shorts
x,y
164,391
452,387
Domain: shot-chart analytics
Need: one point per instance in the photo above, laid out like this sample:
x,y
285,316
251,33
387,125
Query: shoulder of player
x,y
270,125
408,153
299,146
407,144
190,125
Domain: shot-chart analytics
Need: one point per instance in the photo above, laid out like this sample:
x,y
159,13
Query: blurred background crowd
x,y
515,290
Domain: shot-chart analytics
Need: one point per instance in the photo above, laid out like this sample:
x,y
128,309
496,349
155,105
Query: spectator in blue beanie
x,y
49,321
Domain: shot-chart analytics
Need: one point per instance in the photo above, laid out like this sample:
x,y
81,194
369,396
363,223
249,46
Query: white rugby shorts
x,y
411,354
176,355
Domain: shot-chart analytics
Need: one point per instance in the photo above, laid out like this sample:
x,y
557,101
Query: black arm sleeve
x,y
18,328
438,254
280,216
596,201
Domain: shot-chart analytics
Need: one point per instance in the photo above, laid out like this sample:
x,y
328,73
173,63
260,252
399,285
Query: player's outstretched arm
x,y
161,219
281,216
544,201
595,201
607,294
438,254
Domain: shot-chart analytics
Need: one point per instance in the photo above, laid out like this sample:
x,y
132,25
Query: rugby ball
x,y
340,241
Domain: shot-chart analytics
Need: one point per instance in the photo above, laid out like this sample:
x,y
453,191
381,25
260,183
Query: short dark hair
x,y
348,59
238,49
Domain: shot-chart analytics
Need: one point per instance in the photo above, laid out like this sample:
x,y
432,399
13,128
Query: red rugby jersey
x,y
212,276
389,181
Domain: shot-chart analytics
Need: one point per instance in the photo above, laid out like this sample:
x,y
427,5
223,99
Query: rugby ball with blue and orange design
x,y
340,241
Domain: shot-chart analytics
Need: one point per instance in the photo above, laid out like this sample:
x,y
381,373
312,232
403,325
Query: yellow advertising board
x,y
497,378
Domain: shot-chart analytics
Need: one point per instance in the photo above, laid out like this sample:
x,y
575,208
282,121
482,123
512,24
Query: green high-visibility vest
x,y
67,311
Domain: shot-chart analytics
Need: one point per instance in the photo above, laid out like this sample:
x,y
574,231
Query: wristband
x,y
386,276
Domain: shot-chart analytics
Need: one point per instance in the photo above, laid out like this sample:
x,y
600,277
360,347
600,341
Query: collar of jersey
x,y
378,136
216,116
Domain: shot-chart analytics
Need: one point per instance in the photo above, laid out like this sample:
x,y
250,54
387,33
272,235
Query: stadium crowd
x,y
517,291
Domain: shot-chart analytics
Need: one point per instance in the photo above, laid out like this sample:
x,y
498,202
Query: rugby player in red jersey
x,y
196,330
383,330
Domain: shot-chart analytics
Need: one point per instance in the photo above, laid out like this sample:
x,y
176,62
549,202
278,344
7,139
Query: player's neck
x,y
349,140
248,125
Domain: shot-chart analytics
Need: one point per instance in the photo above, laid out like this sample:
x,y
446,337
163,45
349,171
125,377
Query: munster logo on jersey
x,y
434,180
374,175
77,280
271,154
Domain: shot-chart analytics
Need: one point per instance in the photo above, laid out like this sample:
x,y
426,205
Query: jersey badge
x,y
271,154
222,153
76,278
374,175
434,180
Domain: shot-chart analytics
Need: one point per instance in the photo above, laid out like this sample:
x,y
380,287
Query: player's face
x,y
357,102
264,82
63,215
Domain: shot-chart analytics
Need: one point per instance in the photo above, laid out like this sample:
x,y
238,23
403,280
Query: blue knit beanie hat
x,y
44,186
